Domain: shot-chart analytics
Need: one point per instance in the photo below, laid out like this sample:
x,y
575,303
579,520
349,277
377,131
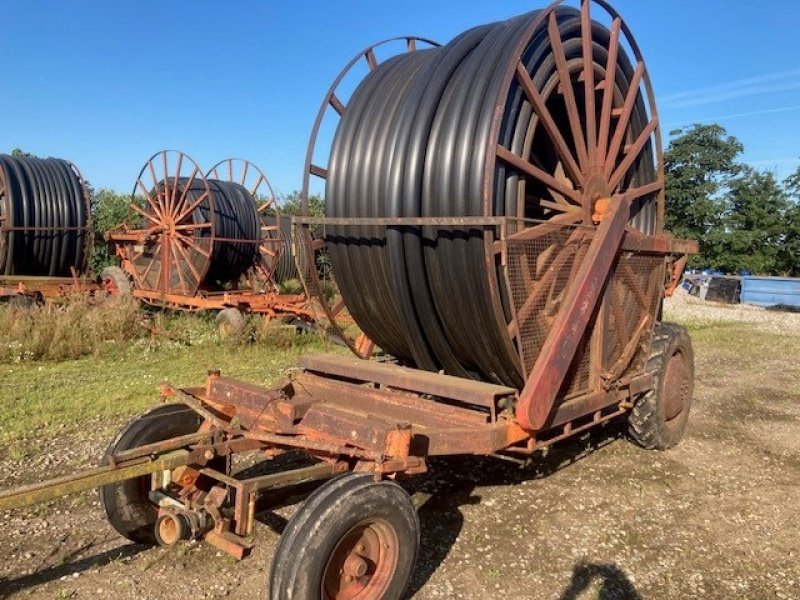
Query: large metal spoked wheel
x,y
127,504
333,107
271,244
353,539
178,224
659,418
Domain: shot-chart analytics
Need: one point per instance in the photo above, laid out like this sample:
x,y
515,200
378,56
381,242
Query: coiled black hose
x,y
286,268
414,142
44,219
215,255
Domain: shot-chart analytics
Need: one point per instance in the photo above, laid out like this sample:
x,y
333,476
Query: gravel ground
x,y
595,518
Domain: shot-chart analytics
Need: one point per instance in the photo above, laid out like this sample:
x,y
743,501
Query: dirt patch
x,y
596,517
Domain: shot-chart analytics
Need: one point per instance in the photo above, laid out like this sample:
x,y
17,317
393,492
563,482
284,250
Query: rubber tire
x,y
127,507
119,278
229,322
646,424
327,515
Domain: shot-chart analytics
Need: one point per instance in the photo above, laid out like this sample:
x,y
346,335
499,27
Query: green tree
x,y
109,210
20,152
789,256
699,164
754,229
292,205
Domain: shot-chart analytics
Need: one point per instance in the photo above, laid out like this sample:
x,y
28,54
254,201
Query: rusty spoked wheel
x,y
271,243
658,419
363,563
353,539
178,225
310,242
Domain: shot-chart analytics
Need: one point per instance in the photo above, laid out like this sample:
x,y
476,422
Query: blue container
x,y
769,291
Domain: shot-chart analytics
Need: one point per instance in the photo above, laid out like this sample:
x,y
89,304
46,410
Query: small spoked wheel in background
x,y
658,419
353,539
230,323
115,282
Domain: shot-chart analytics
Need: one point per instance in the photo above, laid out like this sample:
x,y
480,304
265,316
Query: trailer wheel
x,y
115,281
230,322
658,419
354,538
127,504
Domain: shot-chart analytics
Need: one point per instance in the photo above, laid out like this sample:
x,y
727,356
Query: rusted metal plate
x,y
399,406
252,402
658,244
414,380
344,427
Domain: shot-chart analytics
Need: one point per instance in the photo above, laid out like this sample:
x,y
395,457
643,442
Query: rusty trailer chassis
x,y
48,289
348,414
365,416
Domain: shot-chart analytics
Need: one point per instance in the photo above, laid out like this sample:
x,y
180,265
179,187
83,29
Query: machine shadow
x,y
614,584
40,577
451,484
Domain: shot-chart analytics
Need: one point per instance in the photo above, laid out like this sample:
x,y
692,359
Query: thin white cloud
x,y
770,83
752,113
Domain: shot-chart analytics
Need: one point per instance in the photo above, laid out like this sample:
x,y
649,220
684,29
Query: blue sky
x,y
107,84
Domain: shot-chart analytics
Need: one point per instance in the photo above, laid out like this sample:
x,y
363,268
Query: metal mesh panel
x,y
540,269
633,295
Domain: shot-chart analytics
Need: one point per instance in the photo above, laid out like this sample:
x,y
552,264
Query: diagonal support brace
x,y
537,398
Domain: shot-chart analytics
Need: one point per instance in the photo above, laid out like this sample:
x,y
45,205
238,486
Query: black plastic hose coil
x,y
415,142
43,217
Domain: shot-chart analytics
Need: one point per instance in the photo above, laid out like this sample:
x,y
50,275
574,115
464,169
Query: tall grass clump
x,y
67,330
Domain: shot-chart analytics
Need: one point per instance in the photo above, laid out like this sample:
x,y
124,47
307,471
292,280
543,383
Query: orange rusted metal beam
x,y
545,380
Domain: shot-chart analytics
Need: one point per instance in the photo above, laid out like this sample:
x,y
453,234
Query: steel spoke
x,y
177,175
192,207
533,171
636,193
189,263
182,202
145,214
152,262
372,62
588,80
336,104
149,199
622,123
258,183
166,181
193,226
633,153
540,107
567,91
197,248
608,92
178,268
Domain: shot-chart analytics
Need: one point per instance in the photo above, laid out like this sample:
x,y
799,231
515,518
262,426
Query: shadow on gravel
x,y
614,584
10,586
451,484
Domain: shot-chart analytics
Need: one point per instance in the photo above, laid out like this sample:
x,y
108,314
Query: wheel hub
x,y
676,387
362,564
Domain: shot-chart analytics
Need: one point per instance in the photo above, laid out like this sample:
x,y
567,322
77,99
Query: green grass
x,y
121,378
